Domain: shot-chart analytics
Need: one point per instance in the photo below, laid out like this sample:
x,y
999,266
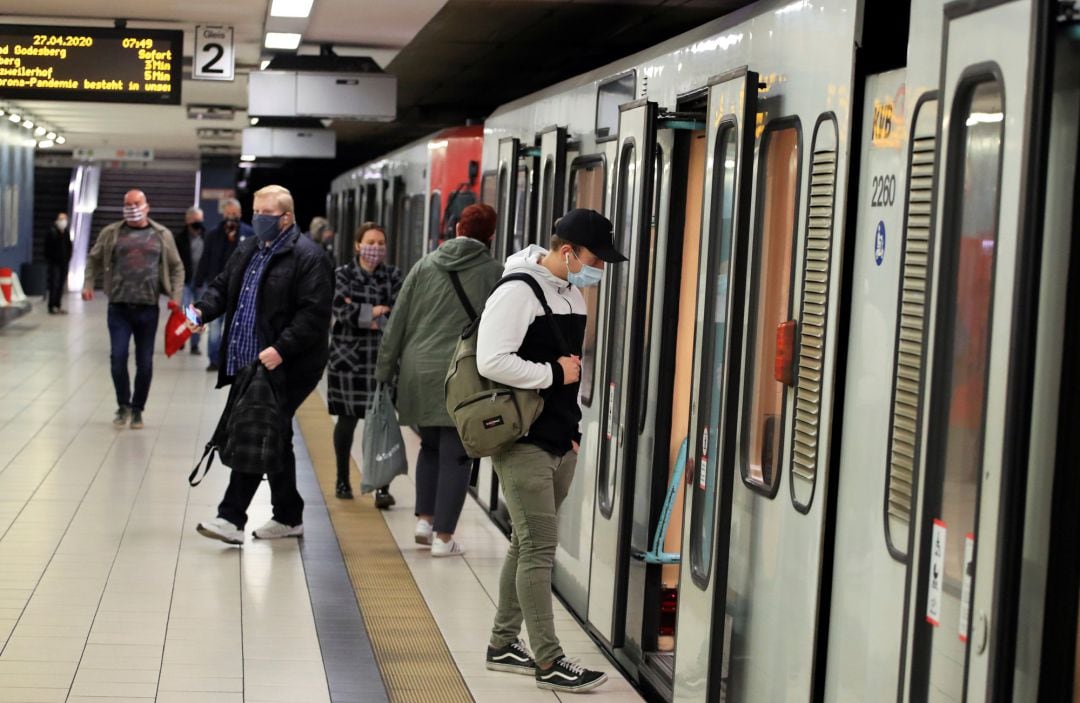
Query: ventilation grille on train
x,y
907,376
815,302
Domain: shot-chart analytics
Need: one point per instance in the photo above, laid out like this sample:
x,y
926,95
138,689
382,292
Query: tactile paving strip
x,y
409,648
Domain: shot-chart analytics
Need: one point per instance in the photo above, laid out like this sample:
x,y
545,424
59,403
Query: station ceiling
x,y
454,59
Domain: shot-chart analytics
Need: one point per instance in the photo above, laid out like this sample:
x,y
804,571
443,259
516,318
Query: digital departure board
x,y
91,63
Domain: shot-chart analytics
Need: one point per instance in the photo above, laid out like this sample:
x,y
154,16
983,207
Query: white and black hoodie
x,y
515,346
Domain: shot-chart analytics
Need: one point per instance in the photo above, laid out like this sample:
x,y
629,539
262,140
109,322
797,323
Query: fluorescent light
x,y
291,8
51,135
262,67
288,41
40,131
45,144
29,124
15,118
60,140
247,157
254,121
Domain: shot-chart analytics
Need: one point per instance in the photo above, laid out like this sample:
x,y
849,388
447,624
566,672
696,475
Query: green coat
x,y
426,323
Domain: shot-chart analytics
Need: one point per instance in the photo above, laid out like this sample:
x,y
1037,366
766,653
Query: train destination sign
x,y
99,64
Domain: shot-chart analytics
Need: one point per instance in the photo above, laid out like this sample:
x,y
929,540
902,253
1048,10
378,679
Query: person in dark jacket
x,y
221,242
190,242
275,293
421,337
57,258
364,294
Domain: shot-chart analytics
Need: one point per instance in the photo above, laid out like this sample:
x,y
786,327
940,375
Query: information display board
x,y
97,64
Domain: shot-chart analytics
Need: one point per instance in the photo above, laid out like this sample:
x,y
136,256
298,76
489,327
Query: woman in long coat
x,y
365,292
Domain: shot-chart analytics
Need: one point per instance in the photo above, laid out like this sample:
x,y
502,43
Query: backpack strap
x,y
460,290
564,349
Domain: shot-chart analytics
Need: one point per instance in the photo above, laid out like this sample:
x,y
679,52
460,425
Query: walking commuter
x,y
220,244
516,347
139,259
315,229
190,243
275,294
421,336
57,258
364,294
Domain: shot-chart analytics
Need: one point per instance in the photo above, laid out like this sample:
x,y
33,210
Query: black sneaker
x,y
136,420
211,366
513,658
195,351
383,499
343,490
565,675
122,416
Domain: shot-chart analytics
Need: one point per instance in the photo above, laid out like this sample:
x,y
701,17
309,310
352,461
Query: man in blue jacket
x,y
220,244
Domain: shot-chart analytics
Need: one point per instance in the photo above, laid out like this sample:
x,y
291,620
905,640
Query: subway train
x,y
829,422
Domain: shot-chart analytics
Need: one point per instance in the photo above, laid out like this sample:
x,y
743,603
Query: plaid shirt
x,y
244,346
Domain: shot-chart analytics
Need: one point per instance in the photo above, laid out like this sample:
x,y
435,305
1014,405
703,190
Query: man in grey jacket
x,y
140,262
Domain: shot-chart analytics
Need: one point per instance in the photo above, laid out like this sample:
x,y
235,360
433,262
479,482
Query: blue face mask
x,y
267,227
588,275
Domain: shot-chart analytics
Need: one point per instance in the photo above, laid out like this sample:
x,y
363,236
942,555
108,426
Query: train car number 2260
x,y
884,191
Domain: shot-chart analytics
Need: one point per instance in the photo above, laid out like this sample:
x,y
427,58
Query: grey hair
x,y
194,211
318,224
226,203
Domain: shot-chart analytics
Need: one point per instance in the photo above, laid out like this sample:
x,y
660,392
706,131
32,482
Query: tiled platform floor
x,y
108,594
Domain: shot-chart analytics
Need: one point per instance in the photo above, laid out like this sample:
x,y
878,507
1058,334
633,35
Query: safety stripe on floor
x,y
411,653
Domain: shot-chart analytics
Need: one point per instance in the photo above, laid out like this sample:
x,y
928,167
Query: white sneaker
x,y
275,530
423,532
222,529
452,548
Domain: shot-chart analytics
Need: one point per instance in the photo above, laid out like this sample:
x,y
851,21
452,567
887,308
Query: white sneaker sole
x,y
572,689
298,532
207,532
512,668
440,555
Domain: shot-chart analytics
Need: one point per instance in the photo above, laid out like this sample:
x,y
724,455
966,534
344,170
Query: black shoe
x,y
195,351
211,366
52,311
565,675
383,499
513,658
343,490
136,420
123,414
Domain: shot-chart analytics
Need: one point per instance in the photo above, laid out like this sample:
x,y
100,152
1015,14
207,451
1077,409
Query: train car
x,y
416,192
828,416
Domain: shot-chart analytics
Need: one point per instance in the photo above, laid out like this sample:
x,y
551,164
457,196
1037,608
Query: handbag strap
x,y
460,290
211,450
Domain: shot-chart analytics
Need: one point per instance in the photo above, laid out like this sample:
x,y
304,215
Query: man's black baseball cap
x,y
589,229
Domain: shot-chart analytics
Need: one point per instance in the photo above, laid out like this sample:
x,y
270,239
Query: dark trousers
x,y
57,280
288,505
127,321
442,476
344,432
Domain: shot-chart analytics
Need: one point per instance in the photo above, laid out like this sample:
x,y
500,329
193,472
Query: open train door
x,y
625,321
725,220
506,186
970,514
552,184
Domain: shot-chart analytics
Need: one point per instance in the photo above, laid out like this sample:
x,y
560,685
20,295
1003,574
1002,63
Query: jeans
x,y
57,281
126,321
213,343
535,484
189,297
443,470
286,500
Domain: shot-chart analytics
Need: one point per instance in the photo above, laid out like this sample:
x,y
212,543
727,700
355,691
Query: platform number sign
x,y
215,59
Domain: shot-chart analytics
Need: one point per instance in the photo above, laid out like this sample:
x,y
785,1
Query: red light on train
x,y
784,369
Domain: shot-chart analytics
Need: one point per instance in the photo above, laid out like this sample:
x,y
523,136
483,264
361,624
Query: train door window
x,y
501,193
906,414
955,458
643,381
487,188
587,191
547,208
521,209
434,218
401,226
813,314
619,280
416,230
770,300
714,351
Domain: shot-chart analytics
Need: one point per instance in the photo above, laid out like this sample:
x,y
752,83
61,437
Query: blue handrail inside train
x,y
657,555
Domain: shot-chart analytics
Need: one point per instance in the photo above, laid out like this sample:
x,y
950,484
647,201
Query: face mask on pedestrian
x,y
267,227
372,254
588,275
134,213
196,227
62,224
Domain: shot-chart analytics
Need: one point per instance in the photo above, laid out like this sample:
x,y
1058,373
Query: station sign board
x,y
97,64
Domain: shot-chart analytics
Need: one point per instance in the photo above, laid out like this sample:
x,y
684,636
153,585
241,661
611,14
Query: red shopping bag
x,y
176,329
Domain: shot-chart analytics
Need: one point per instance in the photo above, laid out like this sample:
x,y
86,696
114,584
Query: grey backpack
x,y
490,417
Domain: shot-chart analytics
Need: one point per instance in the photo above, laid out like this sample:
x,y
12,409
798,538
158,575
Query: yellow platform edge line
x,y
409,648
